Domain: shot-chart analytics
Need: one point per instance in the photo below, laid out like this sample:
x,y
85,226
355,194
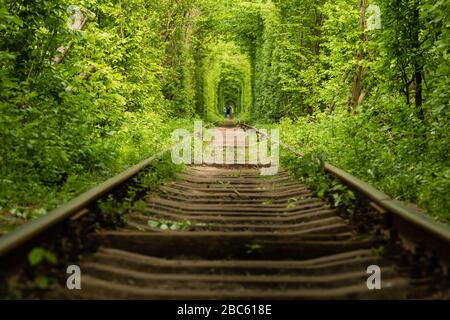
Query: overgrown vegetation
x,y
88,88
387,157
115,208
362,84
79,106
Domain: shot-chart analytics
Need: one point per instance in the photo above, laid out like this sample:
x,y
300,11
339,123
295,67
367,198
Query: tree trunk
x,y
418,86
357,96
418,67
63,50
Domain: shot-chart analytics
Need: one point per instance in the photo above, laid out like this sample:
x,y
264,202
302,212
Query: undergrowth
x,y
28,196
408,165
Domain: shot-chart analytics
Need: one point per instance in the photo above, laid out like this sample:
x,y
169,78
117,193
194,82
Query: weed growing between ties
x,y
310,171
113,210
44,264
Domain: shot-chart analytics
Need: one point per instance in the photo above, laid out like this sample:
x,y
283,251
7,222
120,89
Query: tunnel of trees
x,y
88,88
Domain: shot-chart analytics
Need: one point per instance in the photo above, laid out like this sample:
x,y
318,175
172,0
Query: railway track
x,y
226,232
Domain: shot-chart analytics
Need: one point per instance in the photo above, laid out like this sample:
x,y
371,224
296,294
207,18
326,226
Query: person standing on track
x,y
229,111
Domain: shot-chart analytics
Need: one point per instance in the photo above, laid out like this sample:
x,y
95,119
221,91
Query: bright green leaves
x,y
40,255
139,64
40,259
387,150
104,107
226,68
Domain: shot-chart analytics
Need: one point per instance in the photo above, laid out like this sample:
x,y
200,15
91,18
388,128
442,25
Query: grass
x,y
31,198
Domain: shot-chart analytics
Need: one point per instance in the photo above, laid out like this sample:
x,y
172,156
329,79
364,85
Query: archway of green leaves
x,y
230,92
227,78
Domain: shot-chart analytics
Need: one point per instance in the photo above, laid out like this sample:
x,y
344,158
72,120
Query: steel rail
x,y
34,228
428,224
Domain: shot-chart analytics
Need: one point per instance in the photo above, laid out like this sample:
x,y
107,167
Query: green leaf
x,y
153,224
163,226
41,282
38,255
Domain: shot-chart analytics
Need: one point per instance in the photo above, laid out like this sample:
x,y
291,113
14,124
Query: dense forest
x,y
88,88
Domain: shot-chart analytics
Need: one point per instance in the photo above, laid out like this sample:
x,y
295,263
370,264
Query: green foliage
x,y
253,247
310,171
42,282
40,259
305,60
377,148
114,208
226,70
39,255
113,100
139,69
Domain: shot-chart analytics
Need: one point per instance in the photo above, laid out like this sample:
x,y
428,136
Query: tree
x,y
357,91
